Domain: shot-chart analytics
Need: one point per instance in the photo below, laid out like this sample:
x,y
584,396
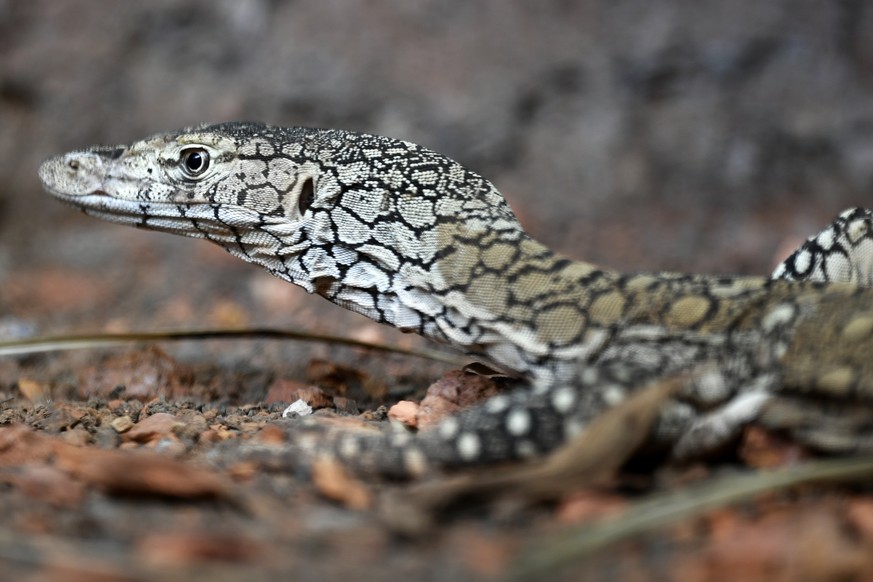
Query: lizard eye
x,y
194,161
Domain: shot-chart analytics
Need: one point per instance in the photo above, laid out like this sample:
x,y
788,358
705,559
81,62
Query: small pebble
x,y
297,408
122,424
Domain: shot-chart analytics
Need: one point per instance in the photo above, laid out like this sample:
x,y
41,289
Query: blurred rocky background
x,y
674,134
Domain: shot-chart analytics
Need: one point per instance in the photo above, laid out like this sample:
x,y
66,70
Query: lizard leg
x,y
520,424
841,253
825,425
834,410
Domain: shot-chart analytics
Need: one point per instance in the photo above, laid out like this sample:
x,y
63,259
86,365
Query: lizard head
x,y
357,218
221,182
248,187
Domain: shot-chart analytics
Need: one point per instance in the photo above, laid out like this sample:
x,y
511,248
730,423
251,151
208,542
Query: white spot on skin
x,y
281,174
352,298
469,446
838,268
449,428
856,231
420,301
778,316
351,172
779,350
400,439
518,422
348,228
590,376
643,333
381,256
802,261
415,462
397,237
292,149
345,256
563,399
779,272
416,211
613,395
400,316
862,260
349,447
711,386
254,172
497,404
363,204
506,354
366,276
826,239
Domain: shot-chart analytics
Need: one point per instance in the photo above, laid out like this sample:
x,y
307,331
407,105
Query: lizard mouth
x,y
227,225
101,204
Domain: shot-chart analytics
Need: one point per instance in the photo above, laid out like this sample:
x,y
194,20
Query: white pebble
x,y
297,408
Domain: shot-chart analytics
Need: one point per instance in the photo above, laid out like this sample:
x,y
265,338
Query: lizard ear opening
x,y
307,195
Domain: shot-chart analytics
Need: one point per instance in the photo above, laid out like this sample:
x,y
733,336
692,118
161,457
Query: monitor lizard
x,y
412,239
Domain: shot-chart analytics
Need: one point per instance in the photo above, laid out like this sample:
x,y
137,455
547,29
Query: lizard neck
x,y
493,292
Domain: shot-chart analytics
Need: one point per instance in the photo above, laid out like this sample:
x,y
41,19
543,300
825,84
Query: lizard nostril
x,y
74,165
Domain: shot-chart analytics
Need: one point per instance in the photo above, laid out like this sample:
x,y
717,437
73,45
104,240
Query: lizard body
x,y
412,239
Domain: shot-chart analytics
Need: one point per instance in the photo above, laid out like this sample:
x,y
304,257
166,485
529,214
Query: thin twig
x,y
100,340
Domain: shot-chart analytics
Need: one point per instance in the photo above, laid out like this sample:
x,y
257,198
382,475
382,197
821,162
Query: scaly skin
x,y
412,239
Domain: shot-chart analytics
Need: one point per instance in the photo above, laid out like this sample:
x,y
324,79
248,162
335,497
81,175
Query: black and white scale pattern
x,y
843,252
412,239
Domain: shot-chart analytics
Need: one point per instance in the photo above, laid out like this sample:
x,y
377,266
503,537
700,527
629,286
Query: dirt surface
x,y
706,136
141,466
137,465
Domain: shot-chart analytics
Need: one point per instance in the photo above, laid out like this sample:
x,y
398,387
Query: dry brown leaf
x,y
140,472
